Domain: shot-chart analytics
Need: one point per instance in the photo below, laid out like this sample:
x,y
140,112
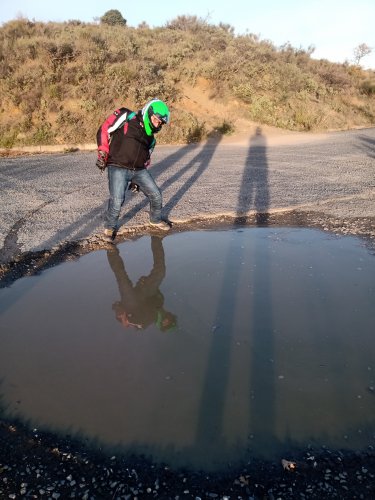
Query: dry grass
x,y
60,80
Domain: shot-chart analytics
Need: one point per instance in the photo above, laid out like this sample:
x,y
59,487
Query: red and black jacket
x,y
123,137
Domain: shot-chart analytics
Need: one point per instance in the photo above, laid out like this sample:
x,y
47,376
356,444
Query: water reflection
x,y
142,304
273,346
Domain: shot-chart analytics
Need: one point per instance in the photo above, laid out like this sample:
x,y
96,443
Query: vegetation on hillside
x,y
58,81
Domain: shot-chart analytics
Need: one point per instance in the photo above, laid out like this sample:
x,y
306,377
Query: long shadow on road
x,y
253,196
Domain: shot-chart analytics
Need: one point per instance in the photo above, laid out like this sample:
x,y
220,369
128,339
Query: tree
x,y
113,17
361,51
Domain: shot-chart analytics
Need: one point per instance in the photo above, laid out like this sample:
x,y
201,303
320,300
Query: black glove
x,y
101,162
134,188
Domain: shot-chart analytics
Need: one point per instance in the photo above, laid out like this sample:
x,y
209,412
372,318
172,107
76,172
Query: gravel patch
x,y
34,464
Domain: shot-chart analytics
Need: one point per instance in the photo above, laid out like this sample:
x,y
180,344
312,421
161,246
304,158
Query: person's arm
x,y
150,151
134,188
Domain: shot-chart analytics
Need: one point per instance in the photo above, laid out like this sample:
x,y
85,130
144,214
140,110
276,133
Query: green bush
x,y
262,109
113,17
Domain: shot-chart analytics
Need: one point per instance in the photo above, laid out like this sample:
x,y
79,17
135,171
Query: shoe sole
x,y
161,228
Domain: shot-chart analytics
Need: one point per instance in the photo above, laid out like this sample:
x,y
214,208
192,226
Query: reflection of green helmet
x,y
166,321
158,108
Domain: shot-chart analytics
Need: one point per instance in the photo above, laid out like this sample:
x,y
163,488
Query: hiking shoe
x,y
109,235
161,224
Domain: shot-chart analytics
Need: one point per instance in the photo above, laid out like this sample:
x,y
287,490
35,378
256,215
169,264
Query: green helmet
x,y
158,108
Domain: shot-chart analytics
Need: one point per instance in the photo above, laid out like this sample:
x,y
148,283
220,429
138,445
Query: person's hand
x,y
101,162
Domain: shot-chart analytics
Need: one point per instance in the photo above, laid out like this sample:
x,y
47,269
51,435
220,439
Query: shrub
x,y
187,23
226,128
262,109
8,137
335,75
305,118
368,87
244,91
184,128
113,17
196,133
43,134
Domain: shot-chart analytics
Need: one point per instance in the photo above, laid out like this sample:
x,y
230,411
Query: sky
x,y
334,27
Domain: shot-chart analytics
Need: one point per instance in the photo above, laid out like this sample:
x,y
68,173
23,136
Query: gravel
x,y
34,464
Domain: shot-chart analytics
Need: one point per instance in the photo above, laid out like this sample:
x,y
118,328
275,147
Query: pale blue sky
x,y
334,27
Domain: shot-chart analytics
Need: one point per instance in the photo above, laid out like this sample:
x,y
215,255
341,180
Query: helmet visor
x,y
164,119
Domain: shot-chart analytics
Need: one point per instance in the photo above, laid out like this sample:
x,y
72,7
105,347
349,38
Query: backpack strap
x,y
122,117
113,122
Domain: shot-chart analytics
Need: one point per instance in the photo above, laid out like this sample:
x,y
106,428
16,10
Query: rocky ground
x,y
38,465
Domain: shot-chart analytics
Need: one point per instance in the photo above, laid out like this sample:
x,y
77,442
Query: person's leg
x,y
147,185
118,179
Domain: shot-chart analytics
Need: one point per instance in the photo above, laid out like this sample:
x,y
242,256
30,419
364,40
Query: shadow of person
x,y
254,192
254,196
142,304
184,177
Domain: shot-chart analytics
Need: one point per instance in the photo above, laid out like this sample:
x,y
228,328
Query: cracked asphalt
x,y
51,203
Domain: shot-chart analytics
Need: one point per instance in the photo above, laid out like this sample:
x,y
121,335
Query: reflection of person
x,y
125,142
142,305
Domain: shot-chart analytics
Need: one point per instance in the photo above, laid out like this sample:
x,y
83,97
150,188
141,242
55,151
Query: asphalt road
x,y
49,200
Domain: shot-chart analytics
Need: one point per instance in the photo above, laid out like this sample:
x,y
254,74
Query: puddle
x,y
199,349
